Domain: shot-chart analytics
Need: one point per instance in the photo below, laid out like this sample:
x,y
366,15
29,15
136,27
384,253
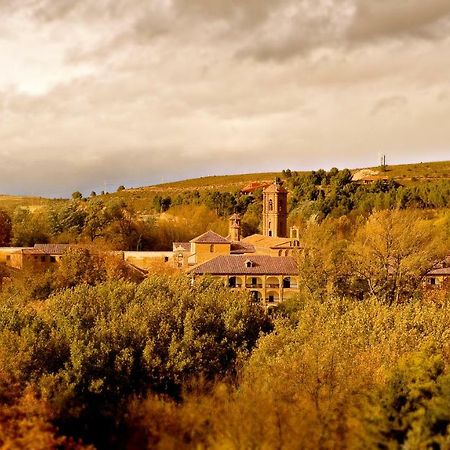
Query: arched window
x,y
270,205
211,248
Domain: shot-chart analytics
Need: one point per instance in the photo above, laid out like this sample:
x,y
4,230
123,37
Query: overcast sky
x,y
98,93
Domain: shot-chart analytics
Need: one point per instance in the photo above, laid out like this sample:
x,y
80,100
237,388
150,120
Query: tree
x,y
412,410
29,228
90,349
5,228
393,251
120,188
77,195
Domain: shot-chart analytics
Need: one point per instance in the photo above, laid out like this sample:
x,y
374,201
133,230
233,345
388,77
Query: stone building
x,y
275,211
270,279
41,256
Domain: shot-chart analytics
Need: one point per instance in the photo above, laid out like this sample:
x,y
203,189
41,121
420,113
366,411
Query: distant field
x,y
10,202
141,198
420,172
406,172
217,182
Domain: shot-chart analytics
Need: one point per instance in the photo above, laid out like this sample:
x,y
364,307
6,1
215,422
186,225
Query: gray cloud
x,y
128,92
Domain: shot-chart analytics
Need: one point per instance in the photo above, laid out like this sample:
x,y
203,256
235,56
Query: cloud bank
x,y
104,93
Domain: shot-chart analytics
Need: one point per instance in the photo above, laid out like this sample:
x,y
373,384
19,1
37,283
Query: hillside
x,y
140,198
10,202
407,173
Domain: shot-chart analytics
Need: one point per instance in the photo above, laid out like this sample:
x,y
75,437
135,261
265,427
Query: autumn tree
x,y
5,228
29,228
393,251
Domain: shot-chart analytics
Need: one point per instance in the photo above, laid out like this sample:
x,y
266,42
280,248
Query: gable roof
x,y
237,265
210,238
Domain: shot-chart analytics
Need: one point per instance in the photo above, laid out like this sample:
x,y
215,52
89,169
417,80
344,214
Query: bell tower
x,y
275,210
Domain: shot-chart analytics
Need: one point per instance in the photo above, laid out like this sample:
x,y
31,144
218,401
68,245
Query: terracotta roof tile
x,y
210,238
52,249
238,265
443,272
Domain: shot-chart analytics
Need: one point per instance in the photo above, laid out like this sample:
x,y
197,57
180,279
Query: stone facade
x,y
275,211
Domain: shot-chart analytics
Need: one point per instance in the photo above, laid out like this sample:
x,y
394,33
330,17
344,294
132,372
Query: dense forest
x,y
93,357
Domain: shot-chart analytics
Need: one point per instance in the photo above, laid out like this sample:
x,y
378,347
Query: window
x,y
52,259
42,258
433,281
248,263
270,205
287,283
8,258
211,248
166,258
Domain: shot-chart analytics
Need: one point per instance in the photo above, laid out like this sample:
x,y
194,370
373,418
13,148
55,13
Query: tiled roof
x,y
210,238
259,240
254,185
30,251
186,246
52,249
443,272
442,268
237,265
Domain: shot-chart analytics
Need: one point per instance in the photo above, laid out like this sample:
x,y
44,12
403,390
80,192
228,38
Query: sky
x,y
97,94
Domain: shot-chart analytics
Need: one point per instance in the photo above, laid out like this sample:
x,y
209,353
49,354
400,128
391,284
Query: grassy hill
x,y
420,172
10,202
141,198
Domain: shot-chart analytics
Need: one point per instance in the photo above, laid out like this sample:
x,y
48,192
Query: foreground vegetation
x,y
90,357
166,364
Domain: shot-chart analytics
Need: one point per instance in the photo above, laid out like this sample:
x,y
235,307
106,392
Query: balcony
x,y
254,286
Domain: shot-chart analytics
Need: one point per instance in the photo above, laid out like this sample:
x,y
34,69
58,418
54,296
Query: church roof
x,y
210,238
239,265
259,240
